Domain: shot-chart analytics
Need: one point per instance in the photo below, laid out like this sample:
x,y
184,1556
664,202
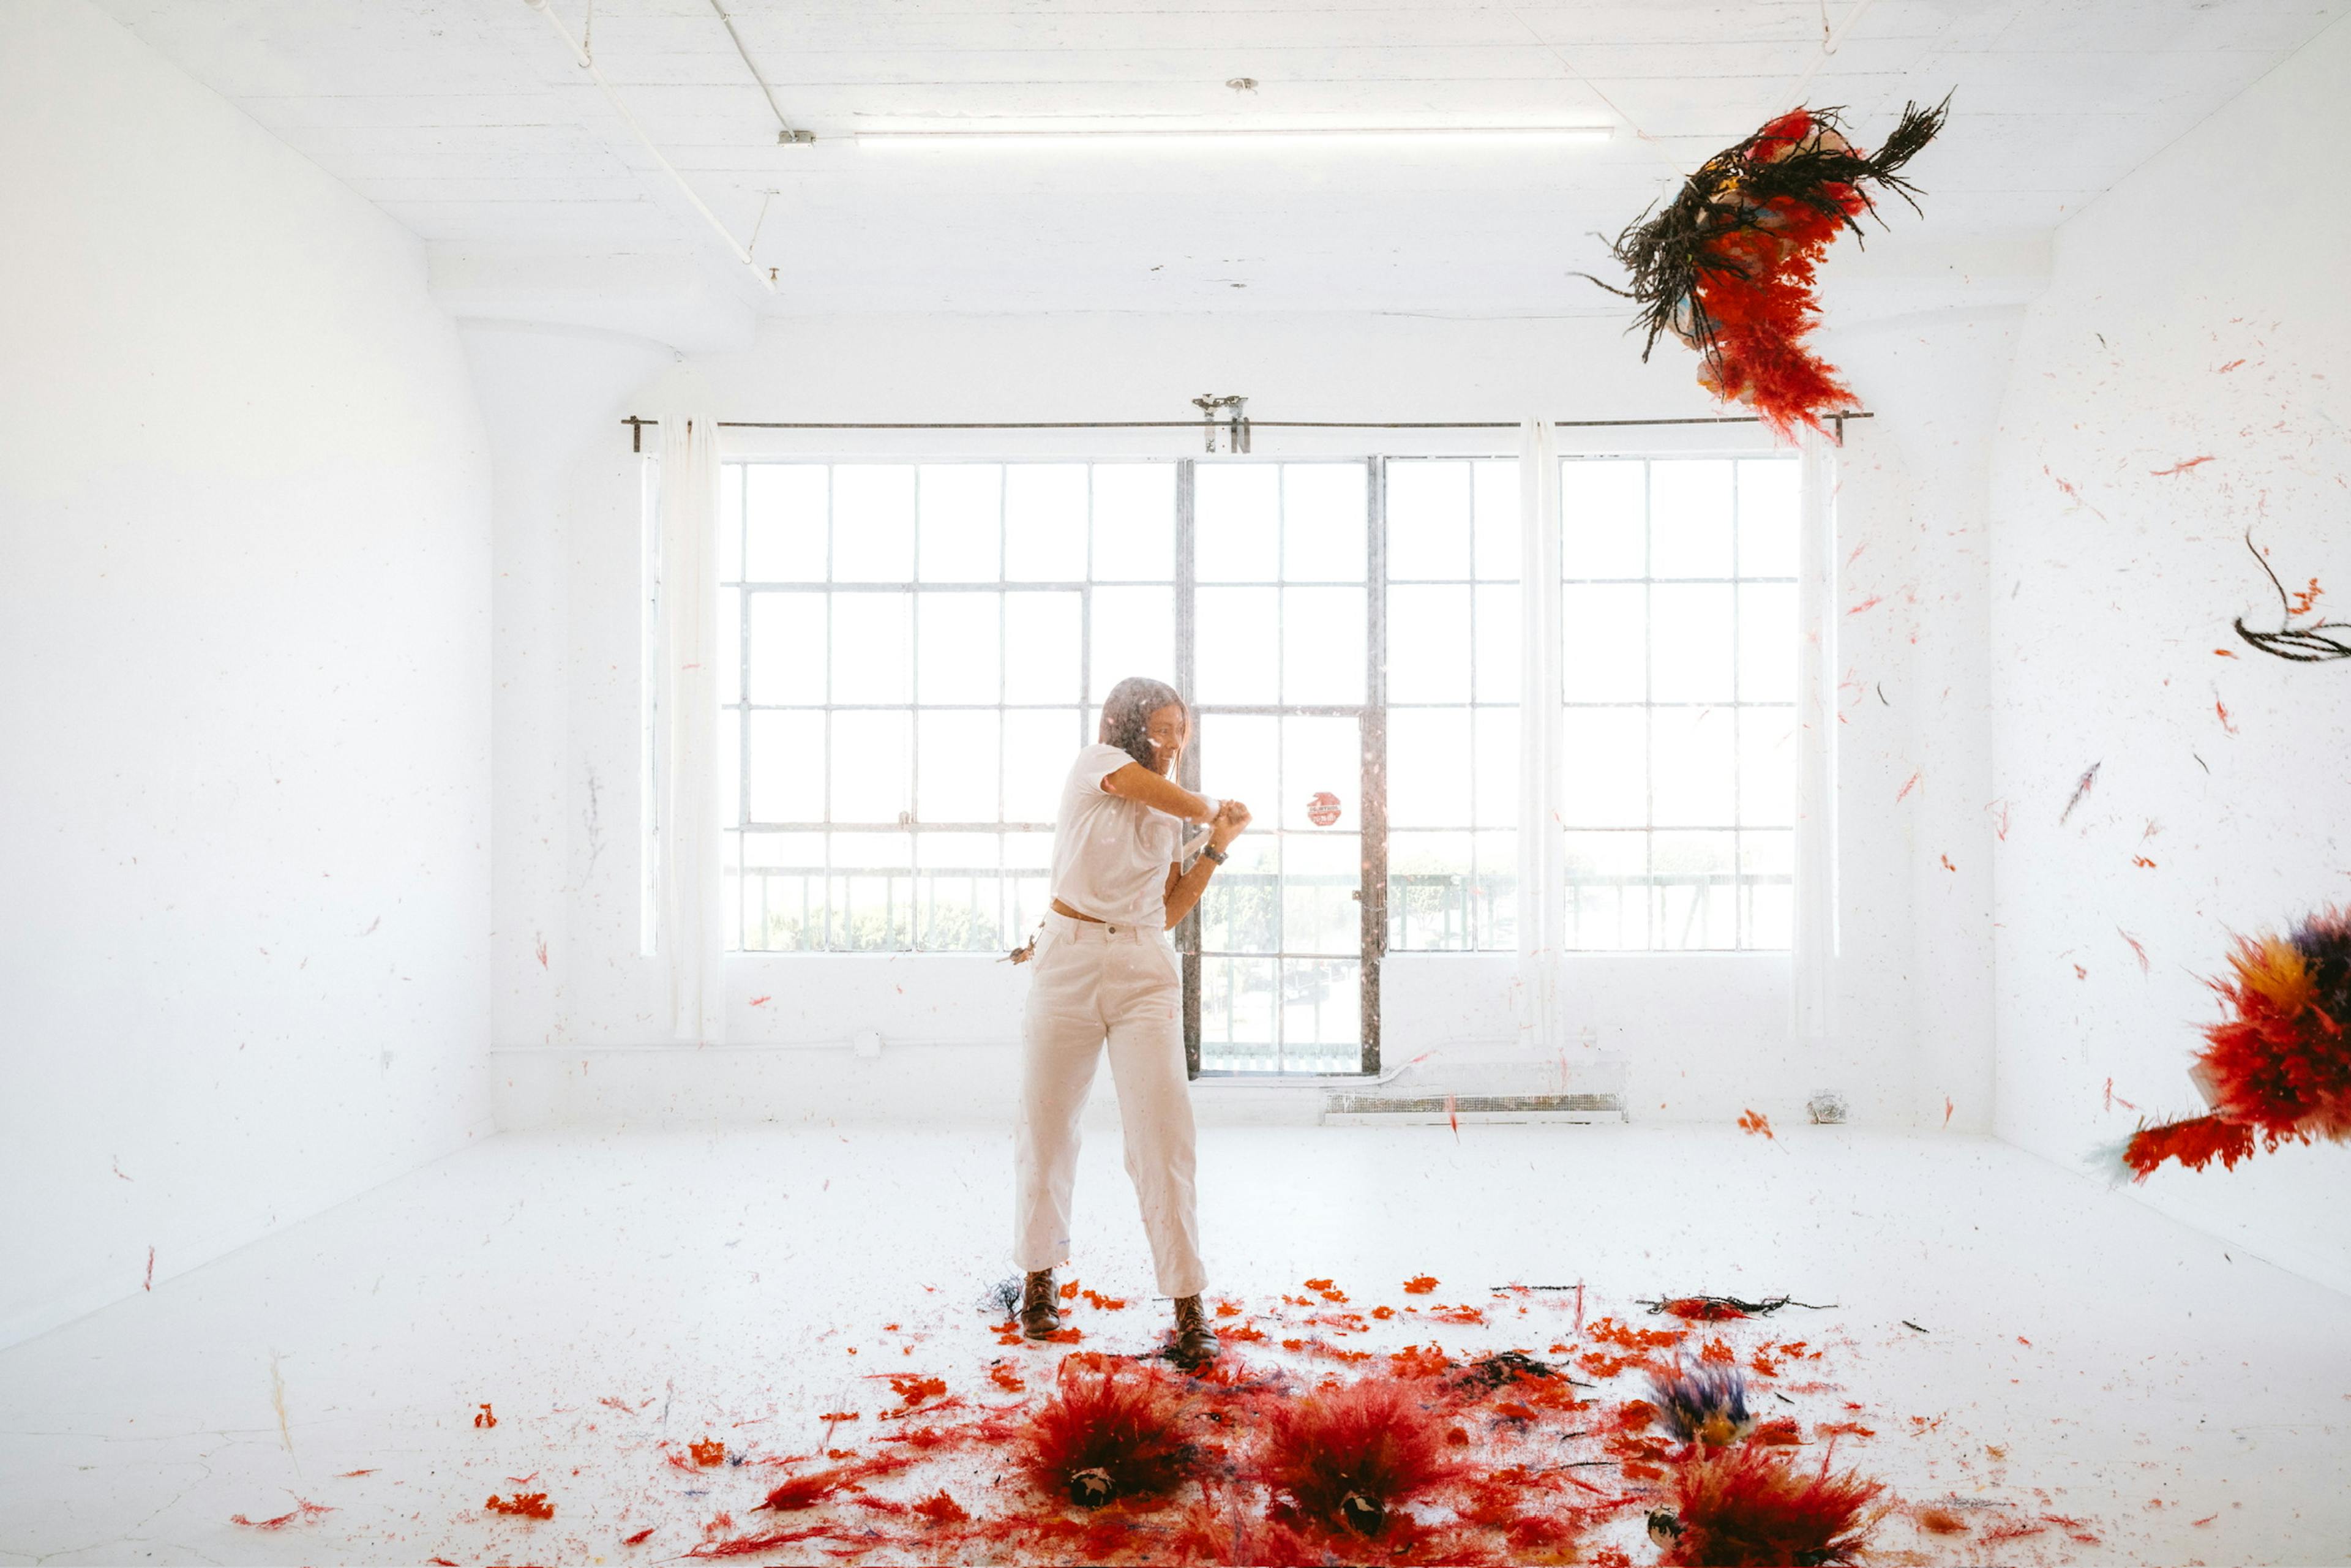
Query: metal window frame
x,y
1741,882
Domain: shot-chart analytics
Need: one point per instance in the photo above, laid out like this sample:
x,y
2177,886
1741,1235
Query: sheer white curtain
x,y
1817,940
690,936
1541,868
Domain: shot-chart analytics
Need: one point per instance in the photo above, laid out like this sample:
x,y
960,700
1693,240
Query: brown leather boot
x,y
1040,1314
1196,1342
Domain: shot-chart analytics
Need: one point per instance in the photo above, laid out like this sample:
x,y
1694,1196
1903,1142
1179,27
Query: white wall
x,y
245,622
1707,1035
2197,311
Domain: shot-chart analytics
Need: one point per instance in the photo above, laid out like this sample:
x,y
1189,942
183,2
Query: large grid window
x,y
1679,675
915,648
1453,646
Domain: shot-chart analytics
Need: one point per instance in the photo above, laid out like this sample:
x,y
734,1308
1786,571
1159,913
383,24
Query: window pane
x,y
1039,745
783,892
872,648
1693,887
1690,643
1428,521
1497,731
1607,891
1237,646
957,893
1696,772
730,646
960,535
957,762
1766,863
1767,767
870,895
1768,491
1242,911
788,768
1236,1014
872,765
1499,534
1767,642
1322,518
730,522
730,768
1431,889
1135,522
1604,641
1323,650
1319,756
1499,639
1236,519
1604,755
1603,532
1320,875
784,521
1429,647
1496,907
789,643
957,644
1322,1015
1045,522
872,522
1135,634
1041,647
1240,756
1689,517
1428,768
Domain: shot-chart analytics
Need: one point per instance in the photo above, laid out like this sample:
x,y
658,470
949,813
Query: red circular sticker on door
x,y
1324,810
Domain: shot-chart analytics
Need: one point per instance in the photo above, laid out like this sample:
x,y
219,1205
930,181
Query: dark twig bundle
x,y
1727,266
2309,645
1718,1308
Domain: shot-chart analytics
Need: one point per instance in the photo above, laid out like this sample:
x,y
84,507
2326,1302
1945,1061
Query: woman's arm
x,y
1136,783
1185,887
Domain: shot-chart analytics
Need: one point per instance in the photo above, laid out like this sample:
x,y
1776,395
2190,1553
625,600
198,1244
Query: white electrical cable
x,y
587,65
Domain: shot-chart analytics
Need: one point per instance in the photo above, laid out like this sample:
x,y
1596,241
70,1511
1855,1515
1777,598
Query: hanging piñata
x,y
2279,1067
1727,267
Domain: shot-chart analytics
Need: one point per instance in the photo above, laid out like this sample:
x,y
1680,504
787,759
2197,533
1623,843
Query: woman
x,y
1105,970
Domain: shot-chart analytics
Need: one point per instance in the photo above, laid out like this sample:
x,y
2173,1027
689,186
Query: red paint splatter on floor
x,y
1908,785
2181,467
2136,947
150,1270
487,1418
639,1538
1871,602
1754,1121
708,1452
2232,365
2222,709
761,1001
1420,1285
2142,861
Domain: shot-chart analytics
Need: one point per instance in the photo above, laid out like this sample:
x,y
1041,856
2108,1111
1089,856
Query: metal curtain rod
x,y
637,425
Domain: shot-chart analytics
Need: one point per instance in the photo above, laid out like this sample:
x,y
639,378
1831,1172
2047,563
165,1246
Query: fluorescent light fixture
x,y
1033,133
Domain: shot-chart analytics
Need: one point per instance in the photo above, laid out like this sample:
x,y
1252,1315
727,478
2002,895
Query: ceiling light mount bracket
x,y
1226,416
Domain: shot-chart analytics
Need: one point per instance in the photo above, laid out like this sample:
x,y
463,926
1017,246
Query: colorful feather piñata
x,y
1728,266
2279,1067
1751,1508
1112,1429
1702,1404
1348,1457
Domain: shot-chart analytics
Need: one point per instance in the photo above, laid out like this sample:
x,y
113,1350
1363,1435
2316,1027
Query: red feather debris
x,y
1748,1506
1350,1457
1728,266
2279,1066
522,1505
1111,1430
301,1510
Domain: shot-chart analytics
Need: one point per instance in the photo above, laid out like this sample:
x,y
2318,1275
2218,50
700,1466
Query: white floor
x,y
2081,1356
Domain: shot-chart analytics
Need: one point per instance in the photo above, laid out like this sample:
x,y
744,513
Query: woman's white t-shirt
x,y
1110,855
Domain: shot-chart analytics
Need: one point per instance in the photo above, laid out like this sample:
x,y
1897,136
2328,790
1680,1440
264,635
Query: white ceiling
x,y
467,121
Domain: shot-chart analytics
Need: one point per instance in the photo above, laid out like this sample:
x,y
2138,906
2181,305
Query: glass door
x,y
1280,565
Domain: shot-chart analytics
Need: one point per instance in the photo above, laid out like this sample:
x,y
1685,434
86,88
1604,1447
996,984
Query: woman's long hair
x,y
1126,715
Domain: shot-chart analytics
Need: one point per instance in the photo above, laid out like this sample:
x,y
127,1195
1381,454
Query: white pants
x,y
1090,982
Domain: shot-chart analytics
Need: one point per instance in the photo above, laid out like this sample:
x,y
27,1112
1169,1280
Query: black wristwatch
x,y
1212,853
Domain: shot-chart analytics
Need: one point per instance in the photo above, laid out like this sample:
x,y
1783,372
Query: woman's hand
x,y
1231,818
